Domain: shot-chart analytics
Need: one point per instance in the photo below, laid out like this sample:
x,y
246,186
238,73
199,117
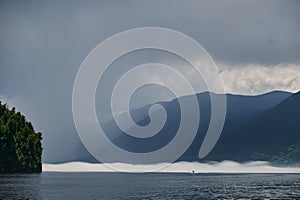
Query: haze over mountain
x,y
240,110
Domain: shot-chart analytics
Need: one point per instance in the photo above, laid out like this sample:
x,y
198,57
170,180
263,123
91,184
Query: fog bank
x,y
179,167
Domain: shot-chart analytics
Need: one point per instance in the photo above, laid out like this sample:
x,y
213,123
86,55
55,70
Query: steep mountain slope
x,y
274,135
240,109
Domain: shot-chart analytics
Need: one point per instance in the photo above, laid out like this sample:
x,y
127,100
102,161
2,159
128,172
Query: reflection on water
x,y
50,185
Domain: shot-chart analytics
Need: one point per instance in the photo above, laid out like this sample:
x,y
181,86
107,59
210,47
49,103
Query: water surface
x,y
67,185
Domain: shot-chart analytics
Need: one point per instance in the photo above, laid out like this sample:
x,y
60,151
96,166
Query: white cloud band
x,y
257,79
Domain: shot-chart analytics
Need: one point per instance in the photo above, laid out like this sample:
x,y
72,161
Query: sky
x,y
255,44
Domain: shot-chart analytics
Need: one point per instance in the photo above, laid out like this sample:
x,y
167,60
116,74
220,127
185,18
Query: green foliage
x,y
20,145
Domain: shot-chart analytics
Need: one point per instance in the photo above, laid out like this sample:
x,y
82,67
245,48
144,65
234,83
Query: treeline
x,y
20,145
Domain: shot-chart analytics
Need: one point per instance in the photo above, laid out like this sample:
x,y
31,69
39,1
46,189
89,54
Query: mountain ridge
x,y
241,109
274,136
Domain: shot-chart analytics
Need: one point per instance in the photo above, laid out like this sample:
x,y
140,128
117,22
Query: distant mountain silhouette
x,y
274,135
240,110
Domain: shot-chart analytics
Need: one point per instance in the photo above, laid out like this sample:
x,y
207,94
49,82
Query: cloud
x,y
255,79
245,79
179,167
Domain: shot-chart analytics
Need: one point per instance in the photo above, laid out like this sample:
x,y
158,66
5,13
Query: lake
x,y
97,185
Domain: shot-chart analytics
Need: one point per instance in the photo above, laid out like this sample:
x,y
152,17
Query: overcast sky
x,y
256,44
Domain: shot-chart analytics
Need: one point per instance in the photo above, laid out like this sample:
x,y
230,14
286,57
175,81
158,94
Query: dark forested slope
x,y
20,145
273,135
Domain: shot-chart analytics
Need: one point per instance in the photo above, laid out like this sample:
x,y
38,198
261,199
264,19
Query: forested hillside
x,y
20,145
273,136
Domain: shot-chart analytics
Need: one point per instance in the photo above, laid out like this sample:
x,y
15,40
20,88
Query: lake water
x,y
53,185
